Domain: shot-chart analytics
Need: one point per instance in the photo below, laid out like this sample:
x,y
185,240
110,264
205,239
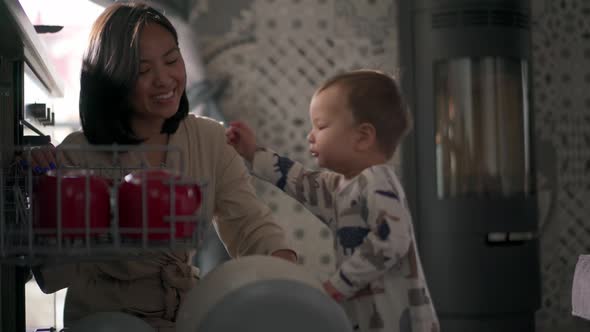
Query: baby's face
x,y
333,133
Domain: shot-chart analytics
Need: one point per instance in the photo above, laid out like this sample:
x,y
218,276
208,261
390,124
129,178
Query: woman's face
x,y
162,75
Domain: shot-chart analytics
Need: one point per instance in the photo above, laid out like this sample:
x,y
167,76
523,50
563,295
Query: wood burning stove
x,y
468,164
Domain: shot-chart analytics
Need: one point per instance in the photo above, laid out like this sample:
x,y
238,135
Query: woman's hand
x,y
40,159
286,254
242,138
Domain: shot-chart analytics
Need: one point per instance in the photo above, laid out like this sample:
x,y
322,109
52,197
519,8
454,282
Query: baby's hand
x,y
242,138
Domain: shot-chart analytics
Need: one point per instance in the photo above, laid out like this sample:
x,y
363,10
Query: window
x,y
482,127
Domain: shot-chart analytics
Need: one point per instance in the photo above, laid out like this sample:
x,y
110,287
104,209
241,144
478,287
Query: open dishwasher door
x,y
260,294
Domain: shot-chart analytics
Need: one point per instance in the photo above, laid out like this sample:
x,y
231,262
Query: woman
x,y
133,92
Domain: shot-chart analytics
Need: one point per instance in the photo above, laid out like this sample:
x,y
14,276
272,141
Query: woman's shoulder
x,y
203,122
203,126
75,138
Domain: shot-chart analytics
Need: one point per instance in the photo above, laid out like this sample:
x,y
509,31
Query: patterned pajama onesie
x,y
378,267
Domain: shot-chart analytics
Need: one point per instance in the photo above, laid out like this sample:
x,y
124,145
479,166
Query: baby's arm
x,y
311,188
388,241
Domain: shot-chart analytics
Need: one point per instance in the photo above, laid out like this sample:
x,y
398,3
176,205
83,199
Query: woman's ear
x,y
367,136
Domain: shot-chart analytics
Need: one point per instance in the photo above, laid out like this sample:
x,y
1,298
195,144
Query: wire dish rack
x,y
41,226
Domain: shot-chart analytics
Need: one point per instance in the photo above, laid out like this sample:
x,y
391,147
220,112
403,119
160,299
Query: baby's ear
x,y
367,136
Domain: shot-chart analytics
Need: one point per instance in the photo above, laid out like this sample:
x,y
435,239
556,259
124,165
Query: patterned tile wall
x,y
275,53
561,105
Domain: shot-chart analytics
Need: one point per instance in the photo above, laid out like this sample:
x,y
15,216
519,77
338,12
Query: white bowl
x,y
261,294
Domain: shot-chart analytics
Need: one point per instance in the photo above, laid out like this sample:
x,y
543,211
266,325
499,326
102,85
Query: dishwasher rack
x,y
21,243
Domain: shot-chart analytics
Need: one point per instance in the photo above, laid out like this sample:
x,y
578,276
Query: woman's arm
x,y
244,223
52,278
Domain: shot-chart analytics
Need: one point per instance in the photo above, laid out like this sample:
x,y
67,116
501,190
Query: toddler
x,y
357,123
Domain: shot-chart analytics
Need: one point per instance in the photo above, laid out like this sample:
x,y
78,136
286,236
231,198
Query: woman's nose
x,y
162,77
310,138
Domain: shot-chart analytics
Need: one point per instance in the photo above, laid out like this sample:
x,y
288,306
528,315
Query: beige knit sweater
x,y
153,287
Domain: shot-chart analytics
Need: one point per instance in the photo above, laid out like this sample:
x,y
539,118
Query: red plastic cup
x,y
76,186
158,187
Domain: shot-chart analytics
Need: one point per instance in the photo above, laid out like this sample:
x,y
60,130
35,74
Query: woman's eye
x,y
171,61
143,70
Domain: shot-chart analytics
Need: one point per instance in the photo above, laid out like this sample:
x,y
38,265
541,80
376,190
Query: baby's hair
x,y
375,98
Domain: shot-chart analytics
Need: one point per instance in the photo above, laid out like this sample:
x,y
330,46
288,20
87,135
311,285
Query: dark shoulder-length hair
x,y
110,69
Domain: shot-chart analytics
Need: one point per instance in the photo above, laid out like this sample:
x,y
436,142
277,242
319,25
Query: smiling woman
x,y
133,92
160,85
141,71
